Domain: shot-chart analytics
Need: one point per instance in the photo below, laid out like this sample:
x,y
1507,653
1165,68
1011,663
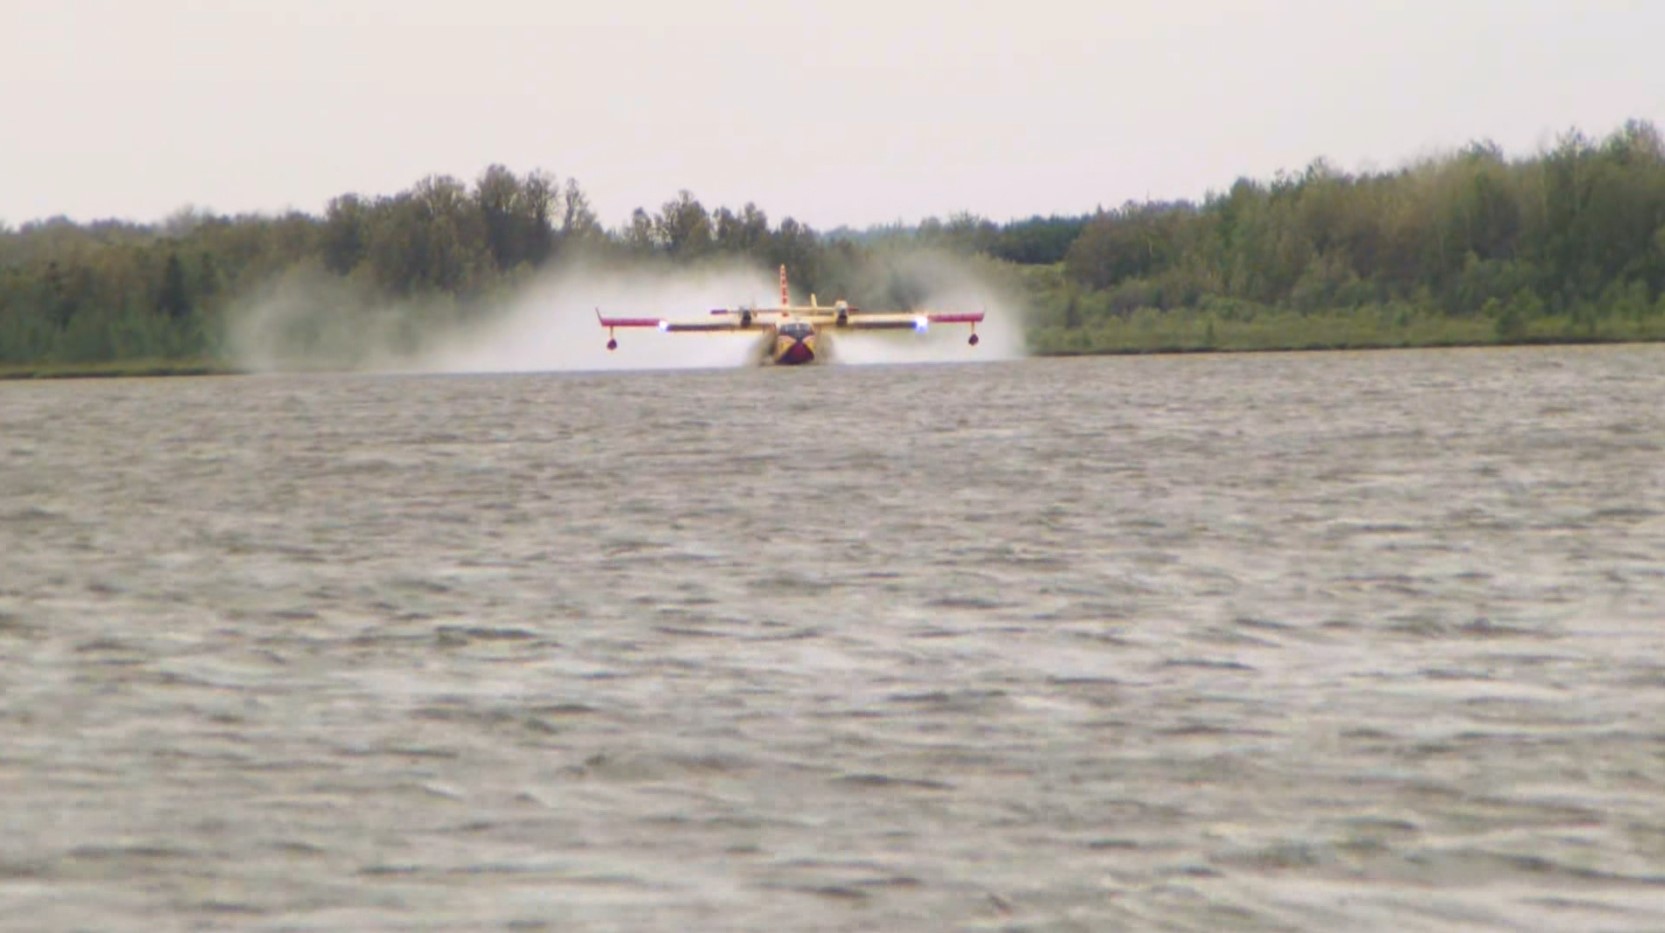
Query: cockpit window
x,y
796,329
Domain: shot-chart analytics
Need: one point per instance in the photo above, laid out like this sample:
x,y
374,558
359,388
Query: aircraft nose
x,y
800,350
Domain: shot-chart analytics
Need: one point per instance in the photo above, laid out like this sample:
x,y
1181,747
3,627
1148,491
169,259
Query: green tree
x,y
173,298
345,233
684,227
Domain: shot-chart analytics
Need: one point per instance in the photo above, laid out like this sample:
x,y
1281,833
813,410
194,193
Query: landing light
x,y
664,327
920,323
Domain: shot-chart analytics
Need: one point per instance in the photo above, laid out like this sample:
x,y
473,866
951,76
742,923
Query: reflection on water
x,y
1316,641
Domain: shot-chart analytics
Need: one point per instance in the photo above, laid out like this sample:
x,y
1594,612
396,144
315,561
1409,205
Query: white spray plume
x,y
308,320
949,284
551,325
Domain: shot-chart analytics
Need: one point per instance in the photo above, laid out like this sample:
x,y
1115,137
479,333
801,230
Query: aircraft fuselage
x,y
794,344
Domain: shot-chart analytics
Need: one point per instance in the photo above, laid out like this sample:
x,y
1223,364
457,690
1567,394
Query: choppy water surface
x,y
1318,641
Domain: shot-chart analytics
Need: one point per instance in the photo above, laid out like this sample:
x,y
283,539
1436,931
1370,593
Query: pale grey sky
x,y
857,112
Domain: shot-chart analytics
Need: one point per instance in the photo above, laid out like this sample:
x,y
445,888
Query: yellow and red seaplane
x,y
796,332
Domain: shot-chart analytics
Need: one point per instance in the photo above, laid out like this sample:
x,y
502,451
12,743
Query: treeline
x,y
1566,244
110,290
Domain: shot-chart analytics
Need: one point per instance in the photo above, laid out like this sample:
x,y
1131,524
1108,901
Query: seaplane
x,y
795,334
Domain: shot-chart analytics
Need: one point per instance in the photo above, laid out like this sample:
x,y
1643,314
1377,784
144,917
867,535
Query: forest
x,y
1472,247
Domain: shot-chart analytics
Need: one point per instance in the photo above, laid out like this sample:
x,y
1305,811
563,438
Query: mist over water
x,y
947,285
309,321
552,326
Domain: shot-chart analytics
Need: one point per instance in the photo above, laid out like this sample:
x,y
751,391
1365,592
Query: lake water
x,y
1321,641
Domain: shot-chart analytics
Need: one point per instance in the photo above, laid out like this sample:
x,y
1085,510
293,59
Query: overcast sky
x,y
853,112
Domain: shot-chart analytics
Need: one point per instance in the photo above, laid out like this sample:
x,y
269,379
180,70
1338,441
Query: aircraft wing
x,y
628,321
902,320
744,323
692,327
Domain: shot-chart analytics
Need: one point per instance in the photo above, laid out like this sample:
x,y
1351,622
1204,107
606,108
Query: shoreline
x,y
151,369
118,369
1342,347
